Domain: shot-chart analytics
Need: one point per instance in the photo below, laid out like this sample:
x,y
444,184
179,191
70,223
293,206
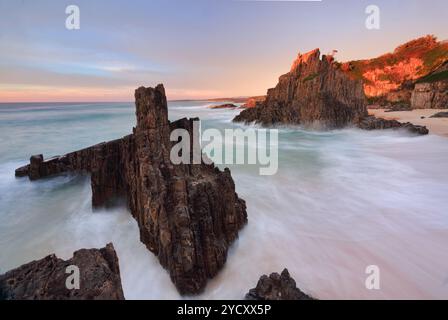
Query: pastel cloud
x,y
198,49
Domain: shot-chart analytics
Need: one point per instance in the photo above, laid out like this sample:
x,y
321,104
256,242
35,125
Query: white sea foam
x,y
342,200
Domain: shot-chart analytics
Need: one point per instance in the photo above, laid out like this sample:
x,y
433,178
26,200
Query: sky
x,y
197,48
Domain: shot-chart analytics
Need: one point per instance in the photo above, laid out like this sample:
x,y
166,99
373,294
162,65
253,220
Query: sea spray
x,y
342,200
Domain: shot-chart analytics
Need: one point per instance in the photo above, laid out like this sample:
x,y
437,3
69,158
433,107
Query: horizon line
x,y
129,101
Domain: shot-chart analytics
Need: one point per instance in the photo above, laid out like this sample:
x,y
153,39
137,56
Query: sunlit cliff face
x,y
380,81
408,63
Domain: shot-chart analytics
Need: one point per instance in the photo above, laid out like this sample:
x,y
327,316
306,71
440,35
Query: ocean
x,y
341,200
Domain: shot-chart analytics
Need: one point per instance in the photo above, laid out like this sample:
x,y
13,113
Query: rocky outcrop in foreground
x,y
315,91
45,279
188,214
277,287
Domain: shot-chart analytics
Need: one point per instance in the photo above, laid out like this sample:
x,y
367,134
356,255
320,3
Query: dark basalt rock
x,y
45,279
373,123
317,92
440,115
277,287
188,214
314,91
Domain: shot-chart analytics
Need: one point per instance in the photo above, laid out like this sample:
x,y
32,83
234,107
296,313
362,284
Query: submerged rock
x,y
225,106
45,279
277,287
188,214
314,91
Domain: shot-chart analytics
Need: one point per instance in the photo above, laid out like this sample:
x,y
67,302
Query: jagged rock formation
x,y
45,279
314,91
391,77
277,287
188,214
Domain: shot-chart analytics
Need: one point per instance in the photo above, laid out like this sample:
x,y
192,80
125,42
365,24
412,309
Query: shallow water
x,y
341,200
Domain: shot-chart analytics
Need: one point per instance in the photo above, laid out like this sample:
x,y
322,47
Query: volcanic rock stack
x,y
314,92
317,93
188,214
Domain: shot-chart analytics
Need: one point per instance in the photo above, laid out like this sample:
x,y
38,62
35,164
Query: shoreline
x,y
437,126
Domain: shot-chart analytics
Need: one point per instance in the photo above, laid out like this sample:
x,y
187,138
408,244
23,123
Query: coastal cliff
x,y
313,92
391,78
188,214
45,279
317,93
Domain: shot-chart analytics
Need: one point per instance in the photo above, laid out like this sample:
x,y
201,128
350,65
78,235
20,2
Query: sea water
x,y
341,200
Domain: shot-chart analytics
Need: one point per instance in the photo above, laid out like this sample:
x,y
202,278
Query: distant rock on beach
x,y
277,287
440,115
45,279
224,106
373,123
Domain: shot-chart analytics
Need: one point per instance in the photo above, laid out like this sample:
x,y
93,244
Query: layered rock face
x,y
188,214
45,279
430,95
315,91
277,287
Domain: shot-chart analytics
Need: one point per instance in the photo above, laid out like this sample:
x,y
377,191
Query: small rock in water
x,y
225,106
277,287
